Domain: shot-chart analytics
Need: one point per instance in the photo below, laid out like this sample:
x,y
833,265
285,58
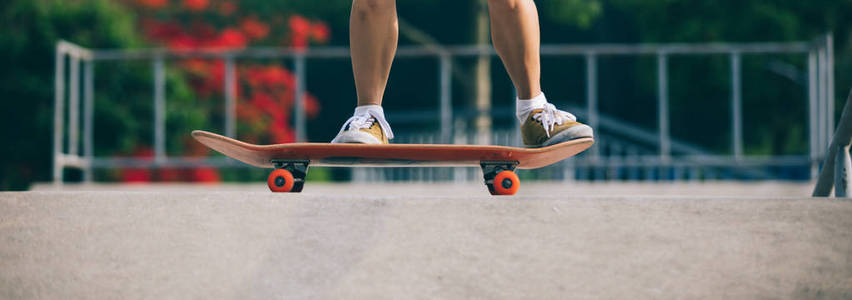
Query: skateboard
x,y
290,161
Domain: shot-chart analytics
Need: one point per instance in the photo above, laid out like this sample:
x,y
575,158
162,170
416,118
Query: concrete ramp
x,y
333,242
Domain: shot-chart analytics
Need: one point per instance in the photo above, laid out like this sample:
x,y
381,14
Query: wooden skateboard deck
x,y
291,156
392,155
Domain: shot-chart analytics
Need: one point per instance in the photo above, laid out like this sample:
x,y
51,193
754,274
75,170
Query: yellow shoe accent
x,y
539,132
355,133
376,131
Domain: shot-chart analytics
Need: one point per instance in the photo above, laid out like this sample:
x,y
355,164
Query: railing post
x,y
74,104
299,97
230,97
822,107
736,105
842,168
592,96
829,78
813,130
88,115
445,98
159,109
840,142
58,112
663,106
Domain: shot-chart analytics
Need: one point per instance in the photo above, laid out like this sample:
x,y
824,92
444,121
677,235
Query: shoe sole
x,y
356,137
573,133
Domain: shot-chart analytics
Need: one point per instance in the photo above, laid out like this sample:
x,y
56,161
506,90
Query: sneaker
x,y
367,126
549,126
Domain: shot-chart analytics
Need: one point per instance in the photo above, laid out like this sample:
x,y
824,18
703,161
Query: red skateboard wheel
x,y
280,181
506,183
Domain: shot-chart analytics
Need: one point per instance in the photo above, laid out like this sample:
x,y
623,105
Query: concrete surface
x,y
403,241
528,188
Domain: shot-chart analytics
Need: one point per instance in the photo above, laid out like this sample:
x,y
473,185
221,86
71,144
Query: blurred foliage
x,y
264,89
774,106
572,12
735,20
31,30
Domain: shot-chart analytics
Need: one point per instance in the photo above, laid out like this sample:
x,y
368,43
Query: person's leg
x,y
515,35
373,34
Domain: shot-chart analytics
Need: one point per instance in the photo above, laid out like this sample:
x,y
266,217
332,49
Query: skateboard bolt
x,y
280,181
506,183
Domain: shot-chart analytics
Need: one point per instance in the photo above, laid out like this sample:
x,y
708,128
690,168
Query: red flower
x,y
280,132
230,38
264,92
254,29
138,174
270,77
299,25
298,41
266,103
217,73
205,174
312,106
168,174
196,5
320,32
299,31
209,75
135,175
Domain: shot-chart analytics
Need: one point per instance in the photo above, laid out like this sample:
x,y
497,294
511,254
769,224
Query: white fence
x,y
610,159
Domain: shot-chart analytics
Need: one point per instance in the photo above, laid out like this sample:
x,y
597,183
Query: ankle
x,y
529,93
523,107
366,109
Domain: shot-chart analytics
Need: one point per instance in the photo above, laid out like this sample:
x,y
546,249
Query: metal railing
x,y
820,97
837,169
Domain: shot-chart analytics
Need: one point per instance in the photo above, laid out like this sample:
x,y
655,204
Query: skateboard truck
x,y
288,176
500,177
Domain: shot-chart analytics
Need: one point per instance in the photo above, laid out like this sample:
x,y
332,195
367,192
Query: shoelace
x,y
365,121
550,117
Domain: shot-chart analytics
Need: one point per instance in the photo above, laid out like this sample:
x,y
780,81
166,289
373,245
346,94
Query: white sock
x,y
365,109
378,113
524,107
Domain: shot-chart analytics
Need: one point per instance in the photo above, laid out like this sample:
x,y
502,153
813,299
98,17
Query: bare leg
x,y
515,34
373,35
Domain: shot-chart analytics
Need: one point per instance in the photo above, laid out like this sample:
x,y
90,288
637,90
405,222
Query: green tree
x,y
27,45
774,107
